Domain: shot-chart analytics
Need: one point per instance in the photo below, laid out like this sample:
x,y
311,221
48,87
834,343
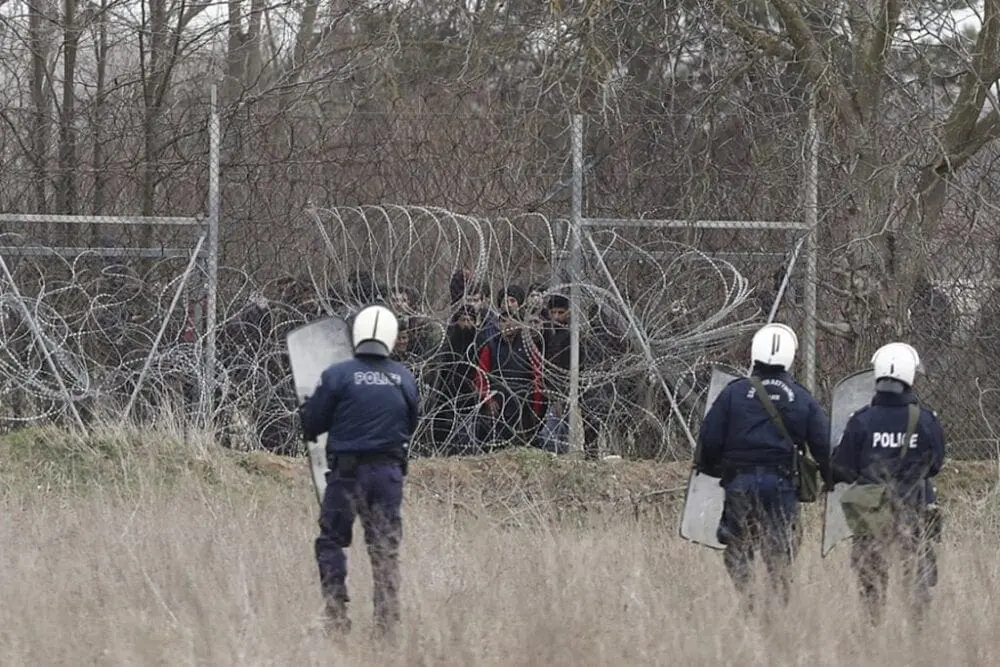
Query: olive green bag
x,y
805,469
868,508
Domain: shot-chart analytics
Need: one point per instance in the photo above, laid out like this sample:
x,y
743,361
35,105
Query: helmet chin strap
x,y
890,386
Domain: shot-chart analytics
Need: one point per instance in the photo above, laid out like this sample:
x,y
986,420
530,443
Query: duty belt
x,y
775,469
375,458
346,463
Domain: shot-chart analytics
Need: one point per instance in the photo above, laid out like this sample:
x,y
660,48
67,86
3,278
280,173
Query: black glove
x,y
711,471
405,460
299,410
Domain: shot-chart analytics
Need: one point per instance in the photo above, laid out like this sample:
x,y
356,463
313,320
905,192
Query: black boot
x,y
336,620
386,631
386,603
873,604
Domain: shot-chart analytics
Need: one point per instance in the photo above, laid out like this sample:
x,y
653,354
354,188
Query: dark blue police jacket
x,y
738,435
365,405
870,448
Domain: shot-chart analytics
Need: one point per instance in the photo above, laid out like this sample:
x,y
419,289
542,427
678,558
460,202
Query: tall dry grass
x,y
211,565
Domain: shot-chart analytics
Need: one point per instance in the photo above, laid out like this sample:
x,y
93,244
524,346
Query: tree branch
x,y
840,329
983,72
871,53
837,291
807,50
763,40
984,131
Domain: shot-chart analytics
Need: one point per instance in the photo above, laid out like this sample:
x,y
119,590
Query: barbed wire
x,y
496,189
100,320
693,308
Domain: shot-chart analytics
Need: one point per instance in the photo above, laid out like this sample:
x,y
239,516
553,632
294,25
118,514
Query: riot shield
x,y
850,395
705,495
312,348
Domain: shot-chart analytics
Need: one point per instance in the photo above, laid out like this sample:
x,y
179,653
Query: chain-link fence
x,y
907,255
319,201
950,318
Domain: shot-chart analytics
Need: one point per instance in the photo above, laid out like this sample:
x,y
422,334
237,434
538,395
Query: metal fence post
x,y
211,305
812,243
575,271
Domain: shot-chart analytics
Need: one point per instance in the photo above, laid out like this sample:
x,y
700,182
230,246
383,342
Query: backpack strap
x,y
913,416
911,427
772,411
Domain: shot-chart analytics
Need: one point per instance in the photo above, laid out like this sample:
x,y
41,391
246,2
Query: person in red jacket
x,y
510,381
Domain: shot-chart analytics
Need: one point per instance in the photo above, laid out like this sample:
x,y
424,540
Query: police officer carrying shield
x,y
741,442
369,407
895,445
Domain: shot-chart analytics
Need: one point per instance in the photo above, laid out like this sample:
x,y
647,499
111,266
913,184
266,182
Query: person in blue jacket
x,y
739,443
870,451
369,407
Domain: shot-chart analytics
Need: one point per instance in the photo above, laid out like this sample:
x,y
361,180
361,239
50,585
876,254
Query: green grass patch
x,y
525,483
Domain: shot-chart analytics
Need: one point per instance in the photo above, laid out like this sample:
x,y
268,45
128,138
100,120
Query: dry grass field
x,y
128,550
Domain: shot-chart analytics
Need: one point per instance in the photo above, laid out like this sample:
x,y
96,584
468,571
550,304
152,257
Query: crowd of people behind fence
x,y
494,374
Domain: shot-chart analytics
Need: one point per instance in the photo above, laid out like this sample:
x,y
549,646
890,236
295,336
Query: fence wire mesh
x,y
692,307
483,202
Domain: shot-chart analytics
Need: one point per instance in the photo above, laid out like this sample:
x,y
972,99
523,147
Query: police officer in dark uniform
x,y
369,407
871,451
740,443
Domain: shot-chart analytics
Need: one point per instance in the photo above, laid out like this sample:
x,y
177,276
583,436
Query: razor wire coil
x,y
99,321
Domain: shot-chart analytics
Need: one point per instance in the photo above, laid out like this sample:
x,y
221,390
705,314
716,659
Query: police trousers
x,y
760,515
373,492
910,544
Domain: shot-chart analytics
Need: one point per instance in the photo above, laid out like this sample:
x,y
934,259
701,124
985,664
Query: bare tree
x,y
895,183
98,158
38,39
161,49
66,182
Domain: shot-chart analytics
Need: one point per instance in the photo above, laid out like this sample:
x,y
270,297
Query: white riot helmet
x,y
774,345
896,361
374,331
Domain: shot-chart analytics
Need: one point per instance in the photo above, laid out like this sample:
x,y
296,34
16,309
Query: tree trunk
x,y
254,57
97,123
235,57
40,122
66,189
304,38
152,85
